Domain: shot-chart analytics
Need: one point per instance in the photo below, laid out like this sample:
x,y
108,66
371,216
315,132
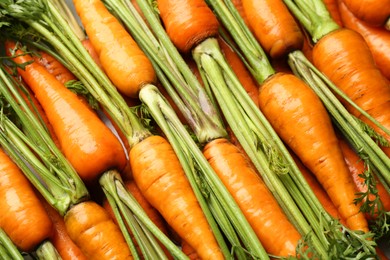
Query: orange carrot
x,y
92,229
356,167
240,70
121,58
278,236
334,11
194,15
60,238
22,217
163,183
189,251
83,136
273,26
377,38
302,122
345,58
374,12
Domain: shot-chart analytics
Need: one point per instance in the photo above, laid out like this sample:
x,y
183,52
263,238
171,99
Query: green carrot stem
x,y
186,148
7,249
314,16
47,251
121,201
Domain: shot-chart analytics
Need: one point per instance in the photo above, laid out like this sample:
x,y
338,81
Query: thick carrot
x,y
193,15
301,120
61,73
276,233
86,141
163,183
22,217
334,11
92,229
60,238
345,58
121,58
356,167
240,70
274,26
377,38
374,12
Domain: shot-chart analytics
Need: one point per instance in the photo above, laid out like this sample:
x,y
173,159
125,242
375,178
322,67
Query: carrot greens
x,y
7,249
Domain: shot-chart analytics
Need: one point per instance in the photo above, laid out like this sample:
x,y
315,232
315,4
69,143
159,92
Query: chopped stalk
x,y
47,251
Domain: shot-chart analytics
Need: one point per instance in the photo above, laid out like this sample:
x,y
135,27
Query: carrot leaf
x,y
7,249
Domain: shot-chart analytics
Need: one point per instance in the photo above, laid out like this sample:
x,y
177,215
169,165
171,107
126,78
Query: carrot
x,y
377,38
374,12
240,70
121,58
61,73
60,238
356,167
333,8
194,15
189,251
83,136
23,216
300,119
92,229
240,8
163,183
278,236
345,58
273,26
91,50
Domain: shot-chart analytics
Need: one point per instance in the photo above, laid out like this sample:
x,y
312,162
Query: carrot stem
x,y
47,251
7,249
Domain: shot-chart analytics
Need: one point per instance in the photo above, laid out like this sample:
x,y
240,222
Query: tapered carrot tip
x,y
94,232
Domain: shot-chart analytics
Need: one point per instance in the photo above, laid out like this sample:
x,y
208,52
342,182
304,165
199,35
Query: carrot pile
x,y
272,164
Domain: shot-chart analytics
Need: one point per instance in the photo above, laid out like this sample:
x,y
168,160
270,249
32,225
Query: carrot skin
x,y
120,56
23,216
161,179
94,232
274,26
302,122
275,232
345,58
187,22
377,38
86,141
374,12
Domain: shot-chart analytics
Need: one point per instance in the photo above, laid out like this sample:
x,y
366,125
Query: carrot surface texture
x,y
376,13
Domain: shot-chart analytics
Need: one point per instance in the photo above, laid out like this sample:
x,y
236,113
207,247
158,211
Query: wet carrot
x,y
83,136
374,12
23,216
170,193
301,120
275,232
194,15
377,38
273,26
92,229
345,58
121,58
60,238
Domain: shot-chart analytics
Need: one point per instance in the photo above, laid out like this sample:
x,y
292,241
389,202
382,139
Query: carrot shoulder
x,y
301,120
273,26
161,179
22,217
275,232
86,141
121,58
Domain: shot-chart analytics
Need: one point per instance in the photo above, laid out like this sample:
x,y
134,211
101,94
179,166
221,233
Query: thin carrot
x,y
60,238
79,141
377,38
121,58
86,223
333,8
23,216
301,120
374,12
184,16
273,26
177,204
276,233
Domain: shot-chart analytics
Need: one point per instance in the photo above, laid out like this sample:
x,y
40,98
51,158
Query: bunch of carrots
x,y
286,153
